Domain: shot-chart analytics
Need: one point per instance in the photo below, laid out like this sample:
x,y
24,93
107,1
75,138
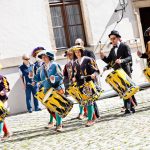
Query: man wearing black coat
x,y
91,55
119,57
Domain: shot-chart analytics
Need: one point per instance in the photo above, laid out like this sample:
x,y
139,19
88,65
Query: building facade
x,y
55,24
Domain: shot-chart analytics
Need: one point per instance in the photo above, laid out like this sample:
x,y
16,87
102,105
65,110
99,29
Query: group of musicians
x,y
81,67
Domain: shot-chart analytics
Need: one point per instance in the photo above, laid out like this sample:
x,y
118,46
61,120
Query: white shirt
x,y
116,49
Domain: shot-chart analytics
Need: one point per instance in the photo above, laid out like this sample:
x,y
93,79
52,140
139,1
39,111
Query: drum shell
x,y
122,83
3,111
55,102
85,93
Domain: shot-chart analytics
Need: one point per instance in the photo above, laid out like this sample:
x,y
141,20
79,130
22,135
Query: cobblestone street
x,y
112,131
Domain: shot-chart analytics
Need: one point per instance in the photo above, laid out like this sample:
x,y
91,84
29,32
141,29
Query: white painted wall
x,y
23,26
101,14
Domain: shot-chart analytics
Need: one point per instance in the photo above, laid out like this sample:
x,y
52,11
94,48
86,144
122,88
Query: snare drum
x,y
84,93
55,102
3,111
147,73
122,83
74,91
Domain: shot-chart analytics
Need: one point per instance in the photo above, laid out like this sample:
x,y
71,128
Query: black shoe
x,y
39,109
133,110
127,112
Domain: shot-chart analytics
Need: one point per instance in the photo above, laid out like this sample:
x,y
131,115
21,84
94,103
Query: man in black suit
x,y
91,55
120,57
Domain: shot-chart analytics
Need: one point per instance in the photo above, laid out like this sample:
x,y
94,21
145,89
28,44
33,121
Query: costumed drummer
x,y
49,74
146,55
84,66
4,88
37,64
89,53
68,75
68,68
120,57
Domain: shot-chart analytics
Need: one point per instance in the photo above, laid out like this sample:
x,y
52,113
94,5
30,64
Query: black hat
x,y
116,33
147,31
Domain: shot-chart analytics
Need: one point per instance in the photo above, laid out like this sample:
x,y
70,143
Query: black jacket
x,y
86,68
124,53
89,54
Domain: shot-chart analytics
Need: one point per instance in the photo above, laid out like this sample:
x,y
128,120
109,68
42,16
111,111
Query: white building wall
x,y
23,26
102,16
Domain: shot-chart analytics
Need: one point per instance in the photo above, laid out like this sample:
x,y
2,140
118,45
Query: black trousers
x,y
96,110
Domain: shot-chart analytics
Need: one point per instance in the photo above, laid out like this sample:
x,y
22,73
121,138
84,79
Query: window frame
x,y
63,4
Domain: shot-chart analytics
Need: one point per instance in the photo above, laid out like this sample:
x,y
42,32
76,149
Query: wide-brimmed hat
x,y
68,51
146,33
114,32
77,47
36,51
44,52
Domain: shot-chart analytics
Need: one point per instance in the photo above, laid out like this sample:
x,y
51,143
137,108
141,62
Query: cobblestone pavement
x,y
112,131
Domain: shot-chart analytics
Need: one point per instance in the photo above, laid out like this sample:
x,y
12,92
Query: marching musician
x,y
37,64
4,88
120,57
28,84
68,74
146,55
84,66
68,68
90,54
49,74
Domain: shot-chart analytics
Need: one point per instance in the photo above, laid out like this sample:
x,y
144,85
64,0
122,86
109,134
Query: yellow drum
x,y
147,73
3,111
85,93
55,102
122,83
73,91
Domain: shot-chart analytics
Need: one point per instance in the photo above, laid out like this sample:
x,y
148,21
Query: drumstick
x,y
82,77
115,63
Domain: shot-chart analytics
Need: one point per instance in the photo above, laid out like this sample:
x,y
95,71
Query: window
x,y
67,22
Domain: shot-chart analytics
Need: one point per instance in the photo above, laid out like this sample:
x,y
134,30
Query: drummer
x,y
90,54
120,57
84,66
4,88
68,74
68,68
146,55
37,64
49,74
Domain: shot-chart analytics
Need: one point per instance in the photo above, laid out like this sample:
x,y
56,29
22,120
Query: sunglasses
x,y
26,59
